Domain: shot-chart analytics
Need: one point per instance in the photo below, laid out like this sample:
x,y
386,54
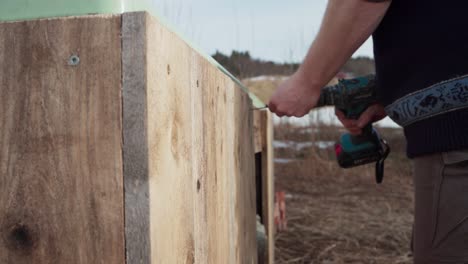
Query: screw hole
x,y
74,60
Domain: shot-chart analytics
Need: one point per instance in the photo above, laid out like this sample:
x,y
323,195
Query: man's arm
x,y
345,27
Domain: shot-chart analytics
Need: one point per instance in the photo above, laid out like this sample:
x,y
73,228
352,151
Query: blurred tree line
x,y
359,66
242,65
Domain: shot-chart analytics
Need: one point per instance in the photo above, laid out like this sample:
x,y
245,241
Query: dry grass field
x,y
341,216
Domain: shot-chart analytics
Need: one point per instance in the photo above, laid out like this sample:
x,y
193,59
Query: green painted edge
x,y
15,10
12,10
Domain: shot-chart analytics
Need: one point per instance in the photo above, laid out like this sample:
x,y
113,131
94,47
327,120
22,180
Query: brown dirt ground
x,y
343,216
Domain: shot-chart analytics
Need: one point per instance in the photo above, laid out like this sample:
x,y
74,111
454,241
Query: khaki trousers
x,y
440,232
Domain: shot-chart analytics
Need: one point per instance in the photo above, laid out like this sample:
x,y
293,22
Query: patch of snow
x,y
301,145
325,144
267,78
284,161
282,144
309,130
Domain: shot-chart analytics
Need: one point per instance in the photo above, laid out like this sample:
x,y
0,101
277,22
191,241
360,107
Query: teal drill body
x,y
353,97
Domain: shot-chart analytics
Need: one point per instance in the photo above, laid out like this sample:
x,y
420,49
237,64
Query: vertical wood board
x,y
224,172
135,139
268,182
61,186
200,157
259,135
263,124
170,145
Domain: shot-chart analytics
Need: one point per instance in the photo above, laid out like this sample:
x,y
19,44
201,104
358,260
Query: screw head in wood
x,y
74,60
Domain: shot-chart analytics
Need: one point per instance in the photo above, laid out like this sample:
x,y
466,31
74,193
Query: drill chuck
x,y
350,94
329,95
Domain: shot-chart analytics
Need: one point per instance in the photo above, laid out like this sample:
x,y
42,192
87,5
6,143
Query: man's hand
x,y
346,25
373,114
294,97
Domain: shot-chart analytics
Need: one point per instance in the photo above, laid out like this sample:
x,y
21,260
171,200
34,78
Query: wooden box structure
x,y
121,144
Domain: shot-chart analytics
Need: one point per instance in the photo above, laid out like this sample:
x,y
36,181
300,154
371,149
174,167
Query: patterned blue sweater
x,y
418,44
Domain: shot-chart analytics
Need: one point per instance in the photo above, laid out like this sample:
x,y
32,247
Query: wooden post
x,y
120,144
263,124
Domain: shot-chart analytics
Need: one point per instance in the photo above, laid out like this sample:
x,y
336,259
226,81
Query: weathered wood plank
x,y
61,186
224,168
135,139
201,178
201,157
263,124
259,136
170,127
268,183
245,177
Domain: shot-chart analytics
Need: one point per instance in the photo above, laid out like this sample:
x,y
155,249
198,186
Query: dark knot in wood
x,y
20,237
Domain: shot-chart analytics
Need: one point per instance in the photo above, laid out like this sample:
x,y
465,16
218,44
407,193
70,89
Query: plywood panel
x,y
223,168
170,146
201,163
61,186
245,178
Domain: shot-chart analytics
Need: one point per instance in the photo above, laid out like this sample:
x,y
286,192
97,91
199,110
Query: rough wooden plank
x,y
201,157
170,146
214,237
201,178
245,179
223,168
268,182
61,188
259,139
135,138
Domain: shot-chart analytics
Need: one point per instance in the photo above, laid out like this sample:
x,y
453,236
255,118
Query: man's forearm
x,y
346,26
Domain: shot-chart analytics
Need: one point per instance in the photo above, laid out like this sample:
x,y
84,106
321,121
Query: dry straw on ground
x,y
342,216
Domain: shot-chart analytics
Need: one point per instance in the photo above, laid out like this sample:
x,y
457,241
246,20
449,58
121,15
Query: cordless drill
x,y
353,97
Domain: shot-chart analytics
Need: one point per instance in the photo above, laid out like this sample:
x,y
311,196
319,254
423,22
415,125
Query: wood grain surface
x,y
135,138
268,183
170,145
201,157
263,138
120,144
61,187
